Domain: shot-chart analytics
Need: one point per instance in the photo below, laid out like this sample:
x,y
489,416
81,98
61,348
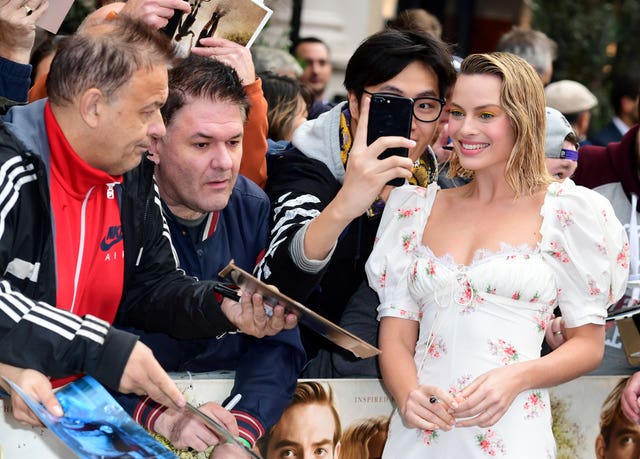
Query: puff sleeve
x,y
587,249
399,233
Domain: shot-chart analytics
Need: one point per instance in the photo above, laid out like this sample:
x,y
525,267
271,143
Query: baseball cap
x,y
569,96
557,130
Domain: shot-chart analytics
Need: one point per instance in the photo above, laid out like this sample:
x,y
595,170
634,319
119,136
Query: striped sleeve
x,y
299,189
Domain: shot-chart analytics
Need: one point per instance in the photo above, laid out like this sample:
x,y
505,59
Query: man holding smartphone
x,y
328,191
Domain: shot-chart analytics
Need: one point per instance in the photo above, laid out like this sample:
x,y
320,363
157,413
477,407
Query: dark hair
x,y
203,77
621,86
299,41
281,93
105,56
385,54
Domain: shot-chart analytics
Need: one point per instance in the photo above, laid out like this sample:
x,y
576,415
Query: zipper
x,y
83,217
111,192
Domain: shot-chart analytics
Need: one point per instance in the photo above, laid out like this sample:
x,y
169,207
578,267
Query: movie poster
x,y
363,407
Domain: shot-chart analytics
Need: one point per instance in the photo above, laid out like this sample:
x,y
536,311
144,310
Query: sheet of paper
x,y
52,19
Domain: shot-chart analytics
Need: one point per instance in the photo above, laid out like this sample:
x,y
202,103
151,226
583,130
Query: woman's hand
x,y
429,408
554,334
488,397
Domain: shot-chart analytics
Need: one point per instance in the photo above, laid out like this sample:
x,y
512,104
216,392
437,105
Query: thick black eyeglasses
x,y
425,109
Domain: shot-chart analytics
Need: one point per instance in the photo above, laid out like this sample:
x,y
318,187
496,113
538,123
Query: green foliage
x,y
595,38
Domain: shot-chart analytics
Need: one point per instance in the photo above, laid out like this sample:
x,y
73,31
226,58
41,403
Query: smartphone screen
x,y
390,115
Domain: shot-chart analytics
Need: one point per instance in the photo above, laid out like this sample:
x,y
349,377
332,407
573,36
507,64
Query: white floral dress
x,y
494,312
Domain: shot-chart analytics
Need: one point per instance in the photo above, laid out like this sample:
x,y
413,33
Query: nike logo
x,y
114,235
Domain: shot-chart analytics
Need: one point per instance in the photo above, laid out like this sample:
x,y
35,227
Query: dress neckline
x,y
482,255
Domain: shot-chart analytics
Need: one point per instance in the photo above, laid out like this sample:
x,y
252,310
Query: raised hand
x,y
156,13
366,175
143,375
231,53
18,28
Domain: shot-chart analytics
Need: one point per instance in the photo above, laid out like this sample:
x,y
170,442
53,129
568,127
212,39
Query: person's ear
x,y
91,106
153,150
600,447
354,105
336,451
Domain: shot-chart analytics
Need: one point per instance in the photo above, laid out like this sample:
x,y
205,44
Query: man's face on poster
x,y
305,431
623,442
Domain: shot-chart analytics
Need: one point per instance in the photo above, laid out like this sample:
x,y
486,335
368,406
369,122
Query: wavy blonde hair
x,y
522,99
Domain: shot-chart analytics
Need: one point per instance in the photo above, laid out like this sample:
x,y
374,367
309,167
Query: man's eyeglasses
x,y
425,109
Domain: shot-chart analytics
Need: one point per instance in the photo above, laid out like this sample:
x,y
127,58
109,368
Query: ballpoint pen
x,y
233,402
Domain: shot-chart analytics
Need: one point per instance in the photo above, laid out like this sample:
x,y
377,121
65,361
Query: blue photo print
x,y
94,426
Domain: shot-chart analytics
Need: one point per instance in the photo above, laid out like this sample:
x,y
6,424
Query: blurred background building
x,y
594,37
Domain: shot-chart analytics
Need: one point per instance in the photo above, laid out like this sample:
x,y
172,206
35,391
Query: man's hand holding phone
x,y
367,173
389,115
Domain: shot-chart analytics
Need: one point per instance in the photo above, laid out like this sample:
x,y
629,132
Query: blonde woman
x,y
468,278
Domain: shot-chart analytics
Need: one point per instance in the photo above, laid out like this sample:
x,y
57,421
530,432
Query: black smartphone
x,y
390,115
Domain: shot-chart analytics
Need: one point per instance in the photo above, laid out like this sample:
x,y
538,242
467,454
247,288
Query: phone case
x,y
390,115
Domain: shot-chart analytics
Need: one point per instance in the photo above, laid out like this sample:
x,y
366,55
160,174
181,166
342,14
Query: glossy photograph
x,y
237,20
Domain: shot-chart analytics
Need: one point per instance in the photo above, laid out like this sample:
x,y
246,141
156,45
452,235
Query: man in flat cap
x,y
575,102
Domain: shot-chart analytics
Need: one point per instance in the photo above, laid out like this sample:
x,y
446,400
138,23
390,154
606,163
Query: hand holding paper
x,y
94,425
143,375
251,318
156,13
37,386
18,28
232,54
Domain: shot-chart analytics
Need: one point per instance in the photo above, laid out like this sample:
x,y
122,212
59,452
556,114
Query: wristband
x,y
245,442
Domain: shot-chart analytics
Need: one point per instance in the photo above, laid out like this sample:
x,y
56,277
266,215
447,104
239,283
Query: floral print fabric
x,y
494,312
